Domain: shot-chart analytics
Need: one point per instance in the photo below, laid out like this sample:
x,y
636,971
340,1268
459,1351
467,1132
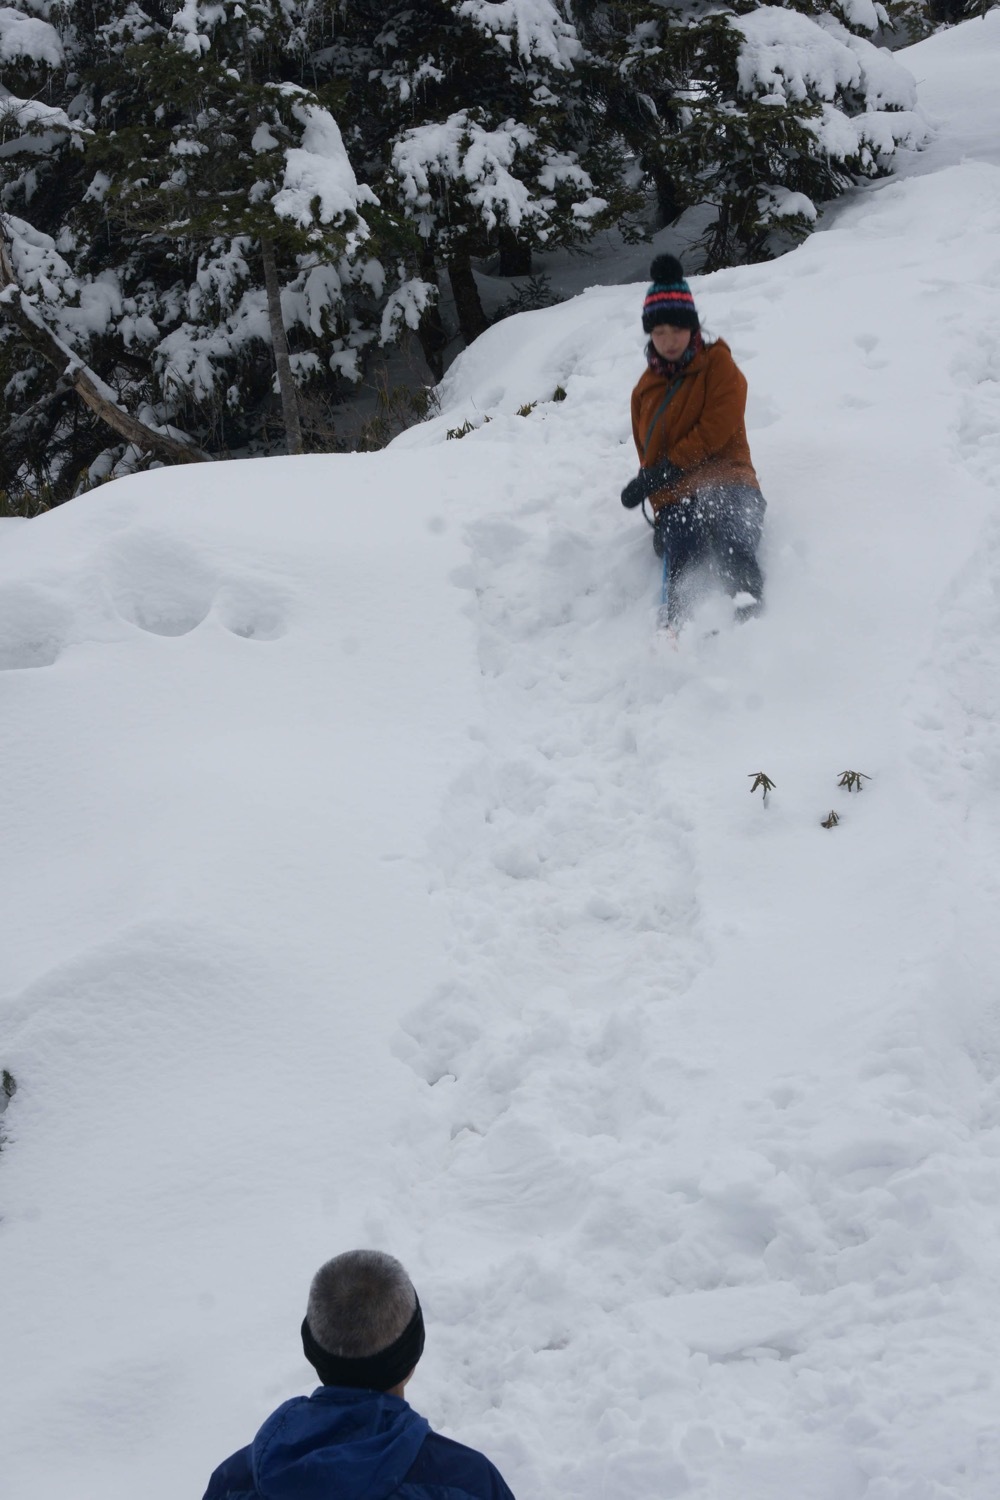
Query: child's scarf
x,y
673,367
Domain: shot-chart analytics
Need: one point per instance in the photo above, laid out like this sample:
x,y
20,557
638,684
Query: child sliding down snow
x,y
696,470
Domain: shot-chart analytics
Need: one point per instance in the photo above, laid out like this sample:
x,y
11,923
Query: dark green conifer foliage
x,y
196,153
704,134
160,212
486,141
164,215
46,439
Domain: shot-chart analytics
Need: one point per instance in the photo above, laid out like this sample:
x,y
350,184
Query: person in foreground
x,y
355,1438
696,471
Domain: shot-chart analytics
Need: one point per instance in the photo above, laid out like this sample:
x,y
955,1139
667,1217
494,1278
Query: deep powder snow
x,y
375,873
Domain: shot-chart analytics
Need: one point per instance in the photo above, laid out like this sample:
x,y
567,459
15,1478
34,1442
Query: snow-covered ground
x,y
375,873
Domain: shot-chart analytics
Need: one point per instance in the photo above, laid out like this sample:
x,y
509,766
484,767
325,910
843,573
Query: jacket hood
x,y
354,1444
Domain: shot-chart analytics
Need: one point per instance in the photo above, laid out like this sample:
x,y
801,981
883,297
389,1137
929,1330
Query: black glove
x,y
660,477
663,476
635,491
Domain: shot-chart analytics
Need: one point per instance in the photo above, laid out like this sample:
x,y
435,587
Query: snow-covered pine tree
x,y
756,113
220,157
177,199
170,186
941,13
81,304
43,432
476,129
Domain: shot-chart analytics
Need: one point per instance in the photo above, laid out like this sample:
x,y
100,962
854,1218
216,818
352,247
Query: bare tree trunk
x,y
431,332
282,364
88,385
721,241
668,205
279,343
471,318
515,255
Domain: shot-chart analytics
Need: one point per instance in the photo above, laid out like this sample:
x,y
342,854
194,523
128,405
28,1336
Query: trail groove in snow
x,y
704,1106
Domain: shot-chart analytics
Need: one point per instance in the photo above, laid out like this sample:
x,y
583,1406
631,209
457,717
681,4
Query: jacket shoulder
x,y
719,355
446,1468
233,1479
647,379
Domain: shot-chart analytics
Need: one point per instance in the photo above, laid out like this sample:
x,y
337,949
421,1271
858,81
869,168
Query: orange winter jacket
x,y
702,429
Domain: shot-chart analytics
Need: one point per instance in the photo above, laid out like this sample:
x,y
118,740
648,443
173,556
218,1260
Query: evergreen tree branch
x,y
19,310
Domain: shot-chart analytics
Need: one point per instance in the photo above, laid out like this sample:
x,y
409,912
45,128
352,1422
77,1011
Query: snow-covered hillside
x,y
375,873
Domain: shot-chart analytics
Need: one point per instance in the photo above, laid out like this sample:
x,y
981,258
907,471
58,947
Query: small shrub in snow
x,y
762,781
8,1088
397,407
25,503
534,293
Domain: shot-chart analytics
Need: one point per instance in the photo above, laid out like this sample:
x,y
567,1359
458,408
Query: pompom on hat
x,y
668,299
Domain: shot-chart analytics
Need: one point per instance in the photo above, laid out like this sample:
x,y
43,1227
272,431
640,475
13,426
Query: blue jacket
x,y
340,1444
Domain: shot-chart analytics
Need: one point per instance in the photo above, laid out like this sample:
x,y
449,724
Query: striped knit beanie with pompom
x,y
669,298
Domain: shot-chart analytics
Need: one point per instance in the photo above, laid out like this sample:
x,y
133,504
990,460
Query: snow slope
x,y
376,874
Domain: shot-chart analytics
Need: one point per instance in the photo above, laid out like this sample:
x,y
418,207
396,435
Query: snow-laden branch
x,y
461,152
788,58
871,138
195,21
23,312
405,307
534,30
319,184
30,128
868,99
462,156
865,15
28,39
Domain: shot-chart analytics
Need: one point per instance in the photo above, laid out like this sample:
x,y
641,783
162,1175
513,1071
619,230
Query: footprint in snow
x,y
34,627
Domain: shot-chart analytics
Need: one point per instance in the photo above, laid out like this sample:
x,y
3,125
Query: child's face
x,y
669,341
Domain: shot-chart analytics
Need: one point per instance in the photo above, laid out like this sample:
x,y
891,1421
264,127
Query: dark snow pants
x,y
720,527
